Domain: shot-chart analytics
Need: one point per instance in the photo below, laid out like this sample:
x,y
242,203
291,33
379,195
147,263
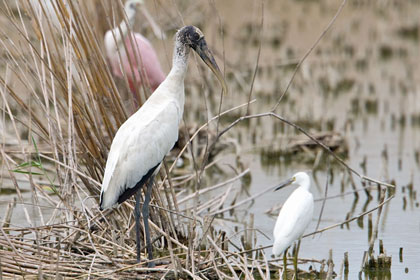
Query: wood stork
x,y
142,141
133,56
295,215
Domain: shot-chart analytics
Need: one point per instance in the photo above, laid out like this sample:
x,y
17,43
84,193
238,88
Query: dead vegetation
x,y
61,101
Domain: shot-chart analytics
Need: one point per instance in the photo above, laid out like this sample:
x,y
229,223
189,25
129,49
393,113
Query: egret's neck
x,y
306,184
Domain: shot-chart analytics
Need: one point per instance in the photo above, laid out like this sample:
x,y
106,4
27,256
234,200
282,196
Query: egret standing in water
x,y
135,55
295,215
142,141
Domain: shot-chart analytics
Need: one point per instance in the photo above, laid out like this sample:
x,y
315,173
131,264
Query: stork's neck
x,y
174,82
180,60
179,65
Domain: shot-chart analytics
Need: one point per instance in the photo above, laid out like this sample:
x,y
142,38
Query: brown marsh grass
x,y
64,106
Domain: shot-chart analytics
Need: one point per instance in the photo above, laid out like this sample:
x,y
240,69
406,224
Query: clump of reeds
x,y
64,107
57,88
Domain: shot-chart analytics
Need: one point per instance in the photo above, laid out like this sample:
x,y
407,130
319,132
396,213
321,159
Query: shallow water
x,y
362,80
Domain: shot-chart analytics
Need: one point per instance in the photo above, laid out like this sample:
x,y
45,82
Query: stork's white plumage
x,y
295,215
142,142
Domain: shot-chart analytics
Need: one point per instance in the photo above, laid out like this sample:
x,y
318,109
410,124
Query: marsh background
x,y
361,81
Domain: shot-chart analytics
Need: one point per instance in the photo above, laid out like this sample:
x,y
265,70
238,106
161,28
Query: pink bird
x,y
137,58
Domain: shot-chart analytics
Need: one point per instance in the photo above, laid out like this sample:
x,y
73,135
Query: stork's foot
x,y
150,264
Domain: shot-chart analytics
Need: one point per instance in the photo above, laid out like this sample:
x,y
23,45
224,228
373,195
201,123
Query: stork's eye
x,y
195,36
132,5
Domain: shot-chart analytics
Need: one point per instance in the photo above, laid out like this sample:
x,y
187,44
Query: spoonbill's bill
x,y
142,141
133,55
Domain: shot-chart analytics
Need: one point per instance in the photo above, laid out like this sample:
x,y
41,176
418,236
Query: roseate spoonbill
x,y
135,56
142,141
295,215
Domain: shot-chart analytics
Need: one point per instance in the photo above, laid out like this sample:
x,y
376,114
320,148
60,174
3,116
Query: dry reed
x,y
57,88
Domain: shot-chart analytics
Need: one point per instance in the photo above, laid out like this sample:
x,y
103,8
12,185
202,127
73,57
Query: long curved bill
x,y
285,184
203,51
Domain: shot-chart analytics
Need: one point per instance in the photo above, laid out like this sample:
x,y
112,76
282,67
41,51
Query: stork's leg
x,y
145,213
137,217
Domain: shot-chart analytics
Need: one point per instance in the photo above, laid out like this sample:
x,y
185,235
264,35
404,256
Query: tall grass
x,y
59,95
57,80
64,107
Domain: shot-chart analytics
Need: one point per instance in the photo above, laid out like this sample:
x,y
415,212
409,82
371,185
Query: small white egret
x,y
142,141
295,215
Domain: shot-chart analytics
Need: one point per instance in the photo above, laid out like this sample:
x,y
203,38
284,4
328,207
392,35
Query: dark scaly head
x,y
192,37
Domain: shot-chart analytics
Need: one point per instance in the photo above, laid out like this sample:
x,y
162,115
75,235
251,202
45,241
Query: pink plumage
x,y
138,56
134,57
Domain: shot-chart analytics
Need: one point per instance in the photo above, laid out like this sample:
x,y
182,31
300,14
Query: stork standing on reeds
x,y
142,141
133,55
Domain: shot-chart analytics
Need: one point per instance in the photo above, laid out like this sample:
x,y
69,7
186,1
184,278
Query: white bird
x,y
142,141
295,215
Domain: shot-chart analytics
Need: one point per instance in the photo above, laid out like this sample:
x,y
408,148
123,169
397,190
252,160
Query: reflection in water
x,y
357,78
361,82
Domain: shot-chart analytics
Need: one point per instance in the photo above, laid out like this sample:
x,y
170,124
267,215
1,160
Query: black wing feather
x,y
130,191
